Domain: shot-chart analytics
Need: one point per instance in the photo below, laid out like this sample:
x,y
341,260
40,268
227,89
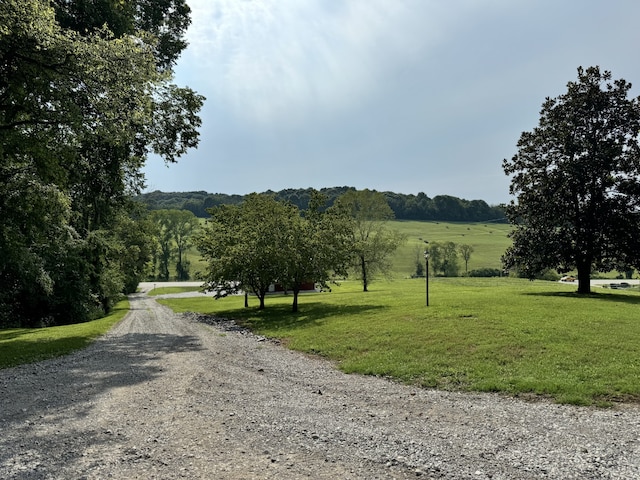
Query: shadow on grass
x,y
7,333
32,350
13,333
281,316
603,296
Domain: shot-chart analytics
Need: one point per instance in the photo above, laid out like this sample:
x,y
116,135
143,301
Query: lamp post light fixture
x,y
426,273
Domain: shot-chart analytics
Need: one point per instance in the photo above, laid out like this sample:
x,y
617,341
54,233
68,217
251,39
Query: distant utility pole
x,y
426,273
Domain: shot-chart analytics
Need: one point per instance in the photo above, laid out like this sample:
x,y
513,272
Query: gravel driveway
x,y
168,396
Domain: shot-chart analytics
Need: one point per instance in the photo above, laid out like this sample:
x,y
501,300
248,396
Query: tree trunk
x,y
261,297
365,281
584,277
294,307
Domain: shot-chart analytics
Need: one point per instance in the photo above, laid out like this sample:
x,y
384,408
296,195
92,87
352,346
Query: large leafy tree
x,y
263,241
372,242
136,242
243,245
316,246
576,178
85,96
164,21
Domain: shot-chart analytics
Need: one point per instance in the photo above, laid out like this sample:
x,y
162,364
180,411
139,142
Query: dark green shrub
x,y
485,272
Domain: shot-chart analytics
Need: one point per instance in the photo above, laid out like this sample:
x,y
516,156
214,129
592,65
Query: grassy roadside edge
x,y
28,345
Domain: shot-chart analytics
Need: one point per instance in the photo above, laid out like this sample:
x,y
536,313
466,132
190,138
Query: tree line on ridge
x,y
404,206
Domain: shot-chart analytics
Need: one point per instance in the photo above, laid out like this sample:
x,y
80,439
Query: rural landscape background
x,y
90,99
480,225
499,334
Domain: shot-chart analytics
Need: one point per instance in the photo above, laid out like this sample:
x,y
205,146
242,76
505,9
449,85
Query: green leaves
x,y
372,243
85,95
174,232
576,179
262,242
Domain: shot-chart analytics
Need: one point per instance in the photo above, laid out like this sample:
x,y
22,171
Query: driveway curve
x,y
167,396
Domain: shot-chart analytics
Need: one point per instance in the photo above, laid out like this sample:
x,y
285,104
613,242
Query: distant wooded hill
x,y
406,207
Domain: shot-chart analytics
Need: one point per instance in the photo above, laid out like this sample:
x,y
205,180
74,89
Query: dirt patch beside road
x,y
167,396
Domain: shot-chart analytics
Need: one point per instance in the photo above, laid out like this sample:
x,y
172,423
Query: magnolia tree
x,y
576,182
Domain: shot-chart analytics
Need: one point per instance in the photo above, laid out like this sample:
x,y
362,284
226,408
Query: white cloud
x,y
289,59
401,95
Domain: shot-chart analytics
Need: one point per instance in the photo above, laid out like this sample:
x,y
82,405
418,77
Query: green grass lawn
x,y
26,345
169,290
496,335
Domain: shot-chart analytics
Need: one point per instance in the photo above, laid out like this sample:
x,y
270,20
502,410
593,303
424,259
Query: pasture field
x,y
489,241
528,339
27,345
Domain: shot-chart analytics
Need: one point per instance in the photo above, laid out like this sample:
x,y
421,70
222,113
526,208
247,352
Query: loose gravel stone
x,y
187,396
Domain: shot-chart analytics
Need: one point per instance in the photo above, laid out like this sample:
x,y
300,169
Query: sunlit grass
x,y
27,345
489,242
496,335
170,290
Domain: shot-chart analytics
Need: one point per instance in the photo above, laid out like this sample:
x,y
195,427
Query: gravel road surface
x,y
169,396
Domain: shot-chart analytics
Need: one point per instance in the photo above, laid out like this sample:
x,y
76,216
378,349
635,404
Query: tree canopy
x,y
444,258
85,96
372,242
262,242
405,206
576,178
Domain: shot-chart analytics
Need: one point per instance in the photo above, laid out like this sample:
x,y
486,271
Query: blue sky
x,y
401,95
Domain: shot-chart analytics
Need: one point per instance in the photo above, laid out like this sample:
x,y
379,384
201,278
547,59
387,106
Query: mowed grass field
x,y
489,241
527,339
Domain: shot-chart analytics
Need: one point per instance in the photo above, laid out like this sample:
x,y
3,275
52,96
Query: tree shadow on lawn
x,y
281,316
11,333
603,296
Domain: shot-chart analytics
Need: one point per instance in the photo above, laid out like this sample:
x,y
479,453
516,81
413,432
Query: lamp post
x,y
426,273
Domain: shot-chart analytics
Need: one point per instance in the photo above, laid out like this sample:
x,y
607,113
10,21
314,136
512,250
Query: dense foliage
x,y
443,257
372,242
576,178
85,96
485,272
173,234
261,242
405,207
